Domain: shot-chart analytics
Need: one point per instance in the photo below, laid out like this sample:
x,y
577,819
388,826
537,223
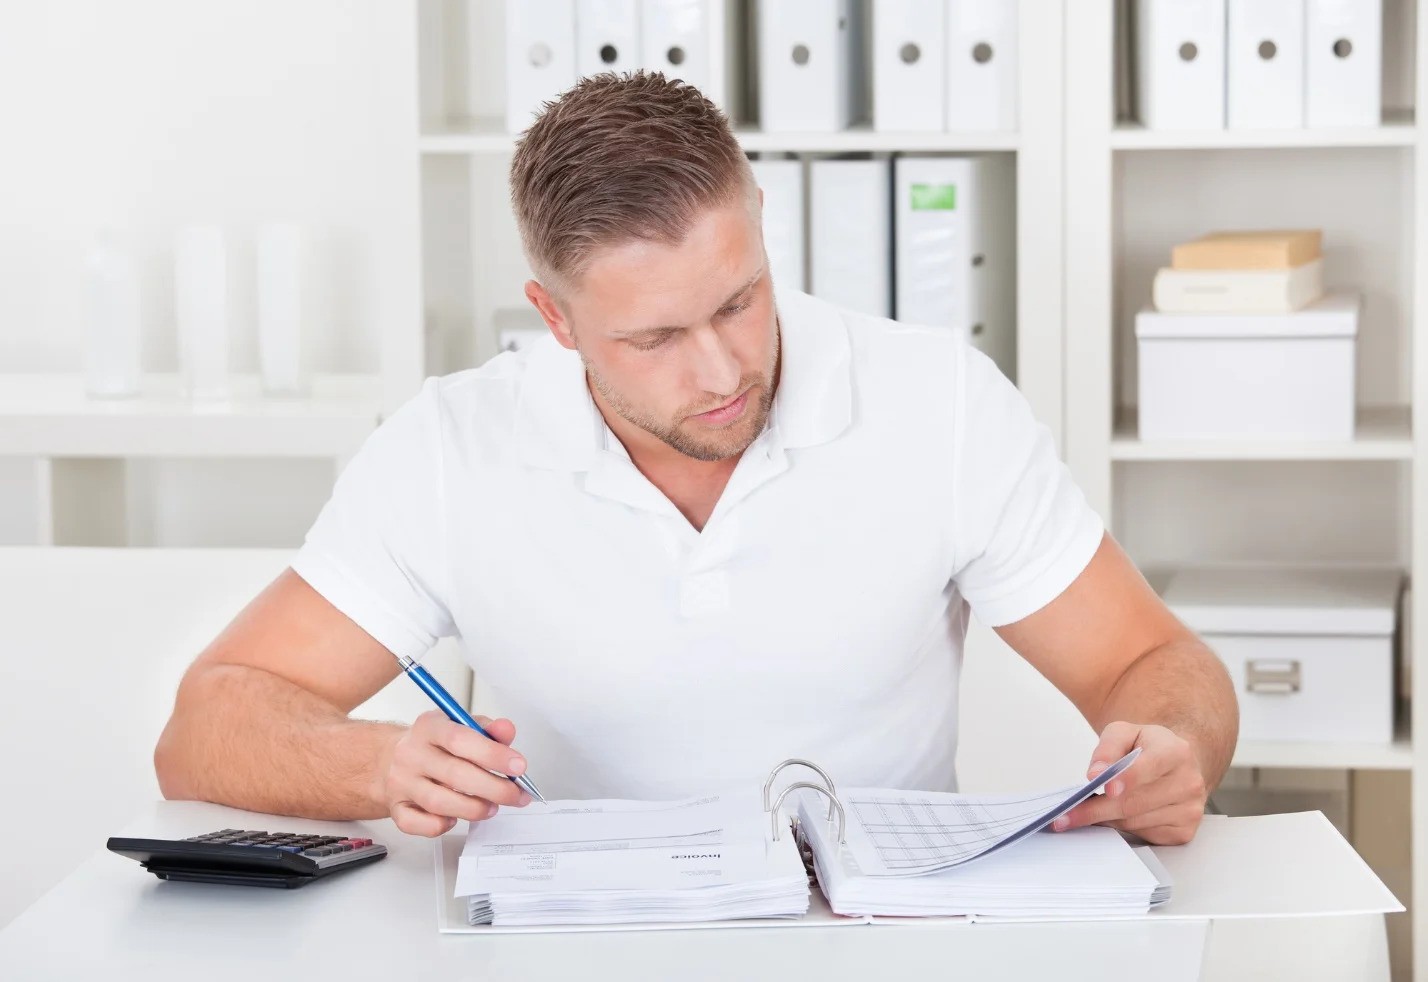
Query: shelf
x,y
1395,756
486,136
1383,433
50,416
1398,130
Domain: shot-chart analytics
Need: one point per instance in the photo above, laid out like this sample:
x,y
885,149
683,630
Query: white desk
x,y
110,919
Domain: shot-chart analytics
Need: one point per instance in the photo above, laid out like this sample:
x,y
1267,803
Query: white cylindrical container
x,y
201,310
112,337
280,271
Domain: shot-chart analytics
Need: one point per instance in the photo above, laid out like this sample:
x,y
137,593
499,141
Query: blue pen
x,y
456,714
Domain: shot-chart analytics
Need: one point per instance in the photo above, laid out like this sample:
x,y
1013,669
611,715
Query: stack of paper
x,y
911,853
625,862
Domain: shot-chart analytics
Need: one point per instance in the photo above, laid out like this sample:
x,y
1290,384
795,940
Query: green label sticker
x,y
934,197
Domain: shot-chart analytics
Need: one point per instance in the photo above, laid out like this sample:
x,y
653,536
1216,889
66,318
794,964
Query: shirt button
x,y
701,594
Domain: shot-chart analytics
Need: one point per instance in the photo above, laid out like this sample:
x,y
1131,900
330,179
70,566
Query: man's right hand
x,y
440,771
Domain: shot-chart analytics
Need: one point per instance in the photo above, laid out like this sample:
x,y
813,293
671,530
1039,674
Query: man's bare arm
x,y
1141,678
260,722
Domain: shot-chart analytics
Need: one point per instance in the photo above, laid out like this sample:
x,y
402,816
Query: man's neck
x,y
691,485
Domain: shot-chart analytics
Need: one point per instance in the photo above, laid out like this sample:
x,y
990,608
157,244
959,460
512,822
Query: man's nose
x,y
716,369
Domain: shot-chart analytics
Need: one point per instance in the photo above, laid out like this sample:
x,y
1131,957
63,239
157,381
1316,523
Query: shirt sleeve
x,y
377,550
1022,529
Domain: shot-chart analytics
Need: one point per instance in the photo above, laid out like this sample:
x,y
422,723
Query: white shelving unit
x,y
50,416
473,268
319,141
1132,193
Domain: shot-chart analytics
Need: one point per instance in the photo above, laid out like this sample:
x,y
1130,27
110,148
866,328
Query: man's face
x,y
682,341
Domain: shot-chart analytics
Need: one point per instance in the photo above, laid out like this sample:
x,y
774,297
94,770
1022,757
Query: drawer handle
x,y
1272,676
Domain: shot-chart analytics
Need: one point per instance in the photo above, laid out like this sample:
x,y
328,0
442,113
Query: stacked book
x,y
1243,342
1244,272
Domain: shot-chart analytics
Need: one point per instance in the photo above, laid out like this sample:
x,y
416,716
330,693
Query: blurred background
x,y
234,236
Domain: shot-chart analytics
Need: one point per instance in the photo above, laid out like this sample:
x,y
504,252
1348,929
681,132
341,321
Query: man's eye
x,y
737,308
651,343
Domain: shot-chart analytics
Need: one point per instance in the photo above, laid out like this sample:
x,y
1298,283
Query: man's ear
x,y
550,312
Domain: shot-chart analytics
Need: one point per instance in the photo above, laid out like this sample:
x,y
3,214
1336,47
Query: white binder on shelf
x,y
782,184
909,65
1265,64
1344,62
674,39
981,65
850,234
954,254
540,56
607,36
1180,64
807,65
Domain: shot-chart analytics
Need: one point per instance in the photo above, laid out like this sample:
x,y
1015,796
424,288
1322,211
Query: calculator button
x,y
317,851
289,848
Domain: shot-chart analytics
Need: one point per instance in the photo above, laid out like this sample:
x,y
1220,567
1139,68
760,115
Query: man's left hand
x,y
1161,797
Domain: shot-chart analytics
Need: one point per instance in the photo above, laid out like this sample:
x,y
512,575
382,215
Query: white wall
x,y
148,114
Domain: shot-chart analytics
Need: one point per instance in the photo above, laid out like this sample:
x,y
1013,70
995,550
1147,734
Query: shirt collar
x,y
559,427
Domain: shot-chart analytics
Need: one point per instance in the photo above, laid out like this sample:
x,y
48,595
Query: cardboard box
x,y
1310,651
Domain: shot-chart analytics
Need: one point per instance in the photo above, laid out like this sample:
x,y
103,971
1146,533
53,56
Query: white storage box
x,y
1249,376
1310,650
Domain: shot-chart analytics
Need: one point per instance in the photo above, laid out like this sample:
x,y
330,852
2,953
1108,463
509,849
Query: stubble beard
x,y
715,444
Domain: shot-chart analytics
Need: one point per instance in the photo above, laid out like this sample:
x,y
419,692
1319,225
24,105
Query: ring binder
x,y
800,762
832,804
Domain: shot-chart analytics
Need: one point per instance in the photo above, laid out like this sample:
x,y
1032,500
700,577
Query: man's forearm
x,y
1183,687
243,737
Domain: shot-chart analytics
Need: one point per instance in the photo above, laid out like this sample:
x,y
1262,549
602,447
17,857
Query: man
x,y
704,527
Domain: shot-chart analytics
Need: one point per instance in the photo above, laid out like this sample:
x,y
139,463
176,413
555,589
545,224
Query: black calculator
x,y
250,858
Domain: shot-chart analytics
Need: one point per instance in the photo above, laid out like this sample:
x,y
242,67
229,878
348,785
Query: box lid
x,y
1285,600
1333,315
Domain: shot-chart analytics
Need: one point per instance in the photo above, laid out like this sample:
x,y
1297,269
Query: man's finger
x,y
502,730
1178,815
1117,740
1094,810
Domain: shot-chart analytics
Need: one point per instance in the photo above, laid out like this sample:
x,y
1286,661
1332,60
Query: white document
x,y
927,853
602,862
1180,64
674,39
908,833
981,65
783,223
1265,71
850,234
1344,63
607,36
909,65
807,65
540,57
954,220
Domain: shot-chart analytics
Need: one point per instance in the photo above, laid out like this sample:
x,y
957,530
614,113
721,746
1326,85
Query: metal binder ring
x,y
832,791
832,804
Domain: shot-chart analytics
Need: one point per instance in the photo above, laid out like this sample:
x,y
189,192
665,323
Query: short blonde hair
x,y
620,158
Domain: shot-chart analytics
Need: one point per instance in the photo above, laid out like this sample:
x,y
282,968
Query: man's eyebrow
x,y
678,327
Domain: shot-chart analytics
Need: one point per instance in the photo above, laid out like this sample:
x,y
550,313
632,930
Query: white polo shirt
x,y
820,613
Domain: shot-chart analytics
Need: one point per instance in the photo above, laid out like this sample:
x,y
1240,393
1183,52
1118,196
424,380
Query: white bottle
x,y
201,310
112,339
280,274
